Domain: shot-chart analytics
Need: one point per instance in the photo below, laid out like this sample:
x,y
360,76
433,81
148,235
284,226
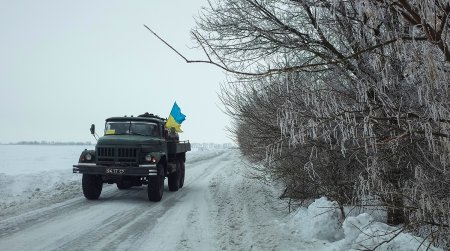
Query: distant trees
x,y
43,142
348,99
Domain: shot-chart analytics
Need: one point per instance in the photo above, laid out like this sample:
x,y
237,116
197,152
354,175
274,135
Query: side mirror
x,y
92,129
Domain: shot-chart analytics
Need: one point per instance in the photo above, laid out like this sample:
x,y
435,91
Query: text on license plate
x,y
114,171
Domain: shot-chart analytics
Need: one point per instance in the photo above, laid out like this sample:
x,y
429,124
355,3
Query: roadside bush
x,y
347,99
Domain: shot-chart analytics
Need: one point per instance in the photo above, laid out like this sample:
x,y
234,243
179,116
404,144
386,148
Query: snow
x,y
31,159
219,208
363,233
34,176
321,220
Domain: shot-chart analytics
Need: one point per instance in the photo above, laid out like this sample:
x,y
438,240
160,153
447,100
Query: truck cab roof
x,y
146,117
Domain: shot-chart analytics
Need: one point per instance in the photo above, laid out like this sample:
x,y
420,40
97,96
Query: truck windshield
x,y
131,128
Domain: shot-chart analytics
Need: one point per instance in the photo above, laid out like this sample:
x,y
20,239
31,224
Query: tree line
x,y
344,99
44,142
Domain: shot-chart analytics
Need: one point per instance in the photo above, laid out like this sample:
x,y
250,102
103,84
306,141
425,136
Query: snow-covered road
x,y
217,209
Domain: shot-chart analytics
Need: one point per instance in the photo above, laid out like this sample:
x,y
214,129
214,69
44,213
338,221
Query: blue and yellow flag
x,y
175,118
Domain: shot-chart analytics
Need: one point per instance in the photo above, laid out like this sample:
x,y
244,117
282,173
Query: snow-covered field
x,y
219,208
35,176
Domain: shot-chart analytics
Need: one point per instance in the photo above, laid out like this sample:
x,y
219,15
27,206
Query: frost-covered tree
x,y
359,88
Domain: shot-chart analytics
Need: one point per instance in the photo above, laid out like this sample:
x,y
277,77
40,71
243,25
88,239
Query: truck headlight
x,y
148,157
88,157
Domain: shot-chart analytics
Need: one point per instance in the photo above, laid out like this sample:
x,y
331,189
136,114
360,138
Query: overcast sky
x,y
67,64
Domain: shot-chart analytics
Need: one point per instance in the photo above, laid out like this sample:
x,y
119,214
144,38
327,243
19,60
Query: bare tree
x,y
335,95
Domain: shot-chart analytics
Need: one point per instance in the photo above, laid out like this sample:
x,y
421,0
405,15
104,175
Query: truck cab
x,y
134,151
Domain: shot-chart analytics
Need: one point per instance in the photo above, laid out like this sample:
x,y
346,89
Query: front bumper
x,y
92,168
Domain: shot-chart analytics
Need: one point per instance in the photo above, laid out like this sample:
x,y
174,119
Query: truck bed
x,y
174,147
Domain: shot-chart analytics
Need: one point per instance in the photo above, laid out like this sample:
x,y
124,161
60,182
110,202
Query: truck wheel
x,y
92,186
182,168
124,184
155,187
174,178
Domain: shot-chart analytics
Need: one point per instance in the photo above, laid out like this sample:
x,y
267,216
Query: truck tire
x,y
92,186
174,178
182,168
155,187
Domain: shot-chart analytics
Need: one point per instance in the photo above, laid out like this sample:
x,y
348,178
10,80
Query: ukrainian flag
x,y
175,118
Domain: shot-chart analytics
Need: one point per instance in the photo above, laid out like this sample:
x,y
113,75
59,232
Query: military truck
x,y
134,151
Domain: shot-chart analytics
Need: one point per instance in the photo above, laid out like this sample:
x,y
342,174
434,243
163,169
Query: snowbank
x,y
32,176
362,232
319,221
322,221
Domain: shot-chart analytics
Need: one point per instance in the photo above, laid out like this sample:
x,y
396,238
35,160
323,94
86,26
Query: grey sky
x,y
67,64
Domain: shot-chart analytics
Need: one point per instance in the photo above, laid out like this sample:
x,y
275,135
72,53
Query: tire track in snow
x,y
190,224
118,217
14,224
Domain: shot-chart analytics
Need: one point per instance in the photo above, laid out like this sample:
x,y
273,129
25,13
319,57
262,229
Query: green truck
x,y
134,151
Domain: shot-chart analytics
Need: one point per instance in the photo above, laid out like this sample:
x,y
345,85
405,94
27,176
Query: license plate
x,y
114,171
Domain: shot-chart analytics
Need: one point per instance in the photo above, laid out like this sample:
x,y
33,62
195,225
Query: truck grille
x,y
109,155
